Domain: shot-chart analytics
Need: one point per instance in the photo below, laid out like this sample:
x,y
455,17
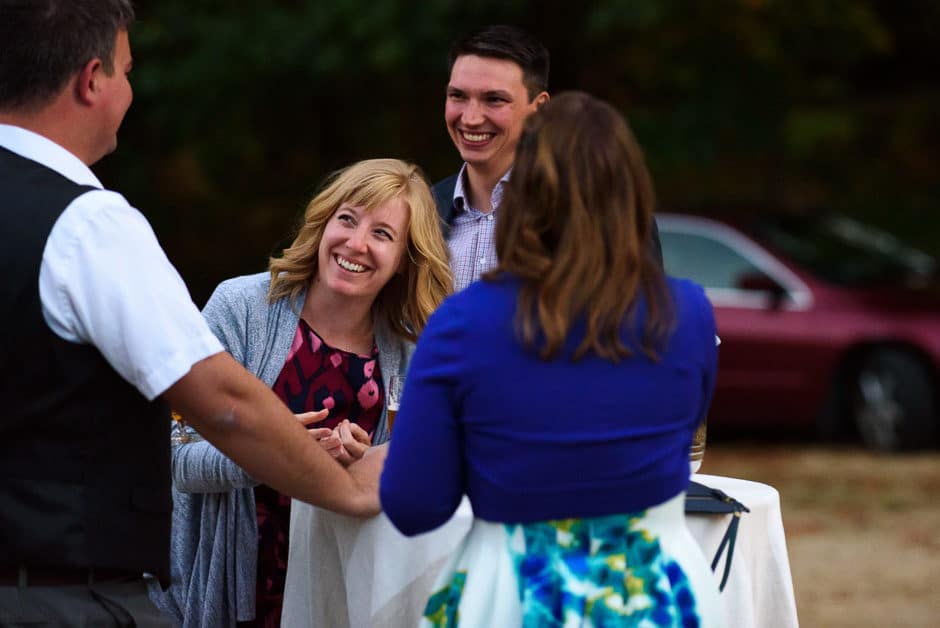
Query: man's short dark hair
x,y
512,44
43,43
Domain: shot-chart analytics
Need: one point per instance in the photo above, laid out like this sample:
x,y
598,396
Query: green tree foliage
x,y
242,107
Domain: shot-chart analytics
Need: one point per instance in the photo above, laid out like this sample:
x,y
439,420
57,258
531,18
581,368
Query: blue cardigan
x,y
532,440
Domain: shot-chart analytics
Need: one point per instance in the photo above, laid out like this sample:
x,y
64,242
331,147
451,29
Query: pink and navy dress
x,y
315,376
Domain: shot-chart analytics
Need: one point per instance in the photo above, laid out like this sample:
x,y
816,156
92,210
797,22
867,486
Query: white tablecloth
x,y
344,572
759,591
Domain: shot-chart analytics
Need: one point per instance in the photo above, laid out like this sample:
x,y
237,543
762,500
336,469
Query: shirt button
x,y
482,260
489,217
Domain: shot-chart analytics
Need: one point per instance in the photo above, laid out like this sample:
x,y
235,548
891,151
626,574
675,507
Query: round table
x,y
344,572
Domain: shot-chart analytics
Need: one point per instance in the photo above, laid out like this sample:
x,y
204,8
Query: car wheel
x,y
893,402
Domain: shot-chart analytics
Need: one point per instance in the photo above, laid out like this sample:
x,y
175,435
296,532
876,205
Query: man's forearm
x,y
237,413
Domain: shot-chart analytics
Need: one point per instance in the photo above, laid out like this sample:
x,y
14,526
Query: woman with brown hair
x,y
561,394
327,326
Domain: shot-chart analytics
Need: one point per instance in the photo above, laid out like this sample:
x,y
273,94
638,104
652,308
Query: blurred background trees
x,y
243,107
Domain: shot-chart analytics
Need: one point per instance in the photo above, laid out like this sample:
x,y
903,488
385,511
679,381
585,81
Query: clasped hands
x,y
347,442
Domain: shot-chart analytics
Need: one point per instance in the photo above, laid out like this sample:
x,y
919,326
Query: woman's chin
x,y
349,289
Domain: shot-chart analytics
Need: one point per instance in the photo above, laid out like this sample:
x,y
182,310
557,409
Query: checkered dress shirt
x,y
471,243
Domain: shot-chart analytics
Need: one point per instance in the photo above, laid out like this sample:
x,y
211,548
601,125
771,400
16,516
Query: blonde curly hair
x,y
409,298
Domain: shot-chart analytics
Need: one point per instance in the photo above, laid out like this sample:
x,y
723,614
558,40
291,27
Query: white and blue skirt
x,y
638,569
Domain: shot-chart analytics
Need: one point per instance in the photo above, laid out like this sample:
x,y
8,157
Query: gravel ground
x,y
863,530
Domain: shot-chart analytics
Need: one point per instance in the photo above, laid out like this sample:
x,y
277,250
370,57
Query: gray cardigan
x,y
214,544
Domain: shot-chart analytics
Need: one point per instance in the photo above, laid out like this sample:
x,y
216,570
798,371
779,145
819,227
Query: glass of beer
x,y
697,451
396,384
179,435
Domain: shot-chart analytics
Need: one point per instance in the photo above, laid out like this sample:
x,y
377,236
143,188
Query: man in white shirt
x,y
100,334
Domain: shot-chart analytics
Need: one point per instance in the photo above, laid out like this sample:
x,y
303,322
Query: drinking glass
x,y
396,384
178,435
697,451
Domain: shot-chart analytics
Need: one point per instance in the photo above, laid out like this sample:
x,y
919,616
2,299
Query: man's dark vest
x,y
84,457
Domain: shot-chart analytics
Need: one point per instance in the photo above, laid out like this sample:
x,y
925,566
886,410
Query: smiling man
x,y
498,76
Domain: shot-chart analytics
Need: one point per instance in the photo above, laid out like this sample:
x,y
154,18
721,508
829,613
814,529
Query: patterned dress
x,y
639,569
315,376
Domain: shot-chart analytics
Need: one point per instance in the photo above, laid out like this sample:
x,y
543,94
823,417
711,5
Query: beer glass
x,y
697,451
396,384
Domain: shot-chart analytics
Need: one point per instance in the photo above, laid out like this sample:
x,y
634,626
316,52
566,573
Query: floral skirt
x,y
639,569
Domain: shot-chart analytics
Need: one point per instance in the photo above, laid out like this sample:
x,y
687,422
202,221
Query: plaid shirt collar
x,y
460,198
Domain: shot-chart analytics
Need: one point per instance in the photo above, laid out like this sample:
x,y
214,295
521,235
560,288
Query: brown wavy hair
x,y
575,226
409,298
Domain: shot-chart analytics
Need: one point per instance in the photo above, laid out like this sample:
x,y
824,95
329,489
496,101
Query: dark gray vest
x,y
84,457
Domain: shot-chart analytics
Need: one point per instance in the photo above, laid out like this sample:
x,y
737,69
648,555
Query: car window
x,y
706,261
845,251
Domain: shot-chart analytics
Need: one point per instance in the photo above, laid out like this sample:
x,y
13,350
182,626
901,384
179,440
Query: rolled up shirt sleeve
x,y
105,281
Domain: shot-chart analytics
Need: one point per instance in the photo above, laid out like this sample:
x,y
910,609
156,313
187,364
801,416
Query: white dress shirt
x,y
105,281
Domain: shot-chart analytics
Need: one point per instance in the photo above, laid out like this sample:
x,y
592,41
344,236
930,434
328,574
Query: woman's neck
x,y
342,322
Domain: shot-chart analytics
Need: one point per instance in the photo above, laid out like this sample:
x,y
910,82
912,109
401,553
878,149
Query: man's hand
x,y
366,472
246,421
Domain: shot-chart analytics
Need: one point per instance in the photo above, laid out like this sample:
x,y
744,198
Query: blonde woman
x,y
326,327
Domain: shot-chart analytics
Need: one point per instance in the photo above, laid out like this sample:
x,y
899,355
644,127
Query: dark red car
x,y
824,323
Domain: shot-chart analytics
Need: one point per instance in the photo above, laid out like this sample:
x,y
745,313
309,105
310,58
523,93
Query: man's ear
x,y
541,99
87,83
